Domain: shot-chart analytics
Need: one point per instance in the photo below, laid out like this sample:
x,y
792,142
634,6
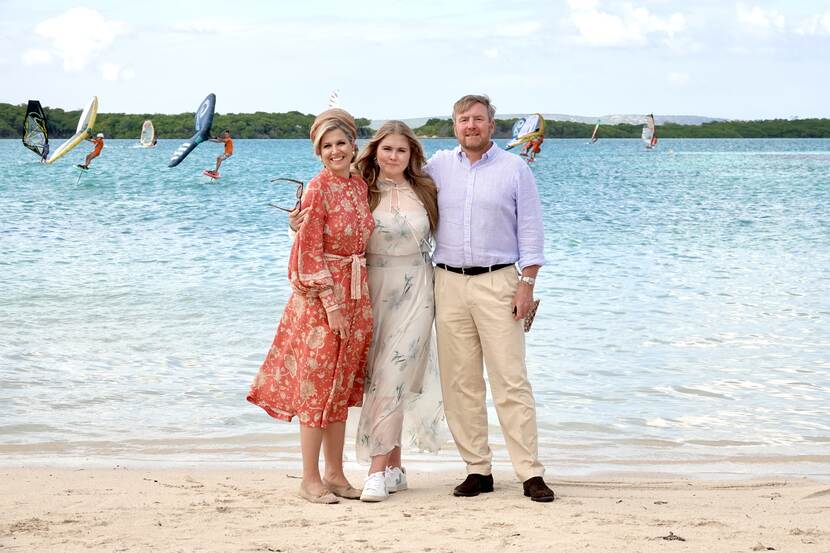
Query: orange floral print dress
x,y
309,371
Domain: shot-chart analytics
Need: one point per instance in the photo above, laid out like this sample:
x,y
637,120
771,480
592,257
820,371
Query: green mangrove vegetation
x,y
294,124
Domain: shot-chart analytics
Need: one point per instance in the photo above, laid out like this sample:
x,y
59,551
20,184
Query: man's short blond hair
x,y
469,101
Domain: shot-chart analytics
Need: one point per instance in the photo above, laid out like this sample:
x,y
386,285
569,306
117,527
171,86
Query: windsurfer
x,y
98,145
225,138
533,147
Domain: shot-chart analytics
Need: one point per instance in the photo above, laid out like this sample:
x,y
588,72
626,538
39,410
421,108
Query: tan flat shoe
x,y
326,497
344,491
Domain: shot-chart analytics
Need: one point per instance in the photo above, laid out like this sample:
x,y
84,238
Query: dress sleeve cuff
x,y
328,299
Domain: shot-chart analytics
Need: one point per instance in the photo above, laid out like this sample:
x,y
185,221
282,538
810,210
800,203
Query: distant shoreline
x,y
293,124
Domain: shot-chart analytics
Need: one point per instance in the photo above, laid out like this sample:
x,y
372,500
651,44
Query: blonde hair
x,y
469,101
422,184
333,119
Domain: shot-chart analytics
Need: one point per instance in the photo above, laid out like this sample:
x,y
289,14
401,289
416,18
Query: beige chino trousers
x,y
475,327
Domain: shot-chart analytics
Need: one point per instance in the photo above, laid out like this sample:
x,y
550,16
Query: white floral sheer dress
x,y
402,388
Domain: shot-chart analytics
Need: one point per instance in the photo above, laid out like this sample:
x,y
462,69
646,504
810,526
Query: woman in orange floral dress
x,y
316,365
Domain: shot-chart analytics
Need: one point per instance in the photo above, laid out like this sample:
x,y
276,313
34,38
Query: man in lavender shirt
x,y
490,220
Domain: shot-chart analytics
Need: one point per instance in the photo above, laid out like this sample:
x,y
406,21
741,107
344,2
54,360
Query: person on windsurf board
x,y
532,148
98,145
225,138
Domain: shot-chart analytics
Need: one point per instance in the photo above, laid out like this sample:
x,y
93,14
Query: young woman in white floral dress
x,y
402,386
402,373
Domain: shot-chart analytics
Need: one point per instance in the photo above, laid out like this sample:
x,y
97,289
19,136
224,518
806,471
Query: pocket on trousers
x,y
509,284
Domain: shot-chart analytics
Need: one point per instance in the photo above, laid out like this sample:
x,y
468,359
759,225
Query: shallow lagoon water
x,y
684,324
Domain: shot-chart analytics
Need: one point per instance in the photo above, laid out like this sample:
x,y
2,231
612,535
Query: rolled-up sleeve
x,y
530,229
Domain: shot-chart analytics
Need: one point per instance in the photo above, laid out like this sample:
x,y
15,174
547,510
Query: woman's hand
x,y
338,324
296,217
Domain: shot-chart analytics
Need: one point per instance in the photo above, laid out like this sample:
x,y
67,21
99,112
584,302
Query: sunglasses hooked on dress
x,y
299,193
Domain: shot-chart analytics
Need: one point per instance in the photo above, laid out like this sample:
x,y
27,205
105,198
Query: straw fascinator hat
x,y
334,118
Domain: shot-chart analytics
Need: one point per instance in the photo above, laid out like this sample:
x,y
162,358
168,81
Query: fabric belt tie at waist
x,y
473,271
357,261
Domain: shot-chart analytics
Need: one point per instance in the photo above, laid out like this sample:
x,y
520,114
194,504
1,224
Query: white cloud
x,y
78,34
678,79
759,19
630,26
33,57
491,53
815,25
114,72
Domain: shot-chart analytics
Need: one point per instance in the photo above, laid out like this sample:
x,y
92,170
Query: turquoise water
x,y
684,324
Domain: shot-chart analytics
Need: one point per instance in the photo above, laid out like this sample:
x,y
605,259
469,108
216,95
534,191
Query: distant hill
x,y
618,119
773,128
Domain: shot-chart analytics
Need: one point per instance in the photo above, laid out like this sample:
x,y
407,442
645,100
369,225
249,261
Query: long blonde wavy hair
x,y
422,184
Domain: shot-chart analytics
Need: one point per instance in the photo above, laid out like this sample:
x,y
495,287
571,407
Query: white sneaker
x,y
374,488
395,479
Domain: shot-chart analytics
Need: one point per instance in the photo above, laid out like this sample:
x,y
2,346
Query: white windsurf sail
x,y
148,135
334,98
649,135
594,135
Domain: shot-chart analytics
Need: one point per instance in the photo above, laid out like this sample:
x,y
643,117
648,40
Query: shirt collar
x,y
494,149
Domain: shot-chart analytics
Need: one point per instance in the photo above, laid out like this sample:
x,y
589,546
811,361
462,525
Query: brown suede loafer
x,y
537,490
474,485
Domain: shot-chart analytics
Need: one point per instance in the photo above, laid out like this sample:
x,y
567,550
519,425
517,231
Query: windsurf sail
x,y
649,135
204,120
594,135
35,130
83,131
334,98
525,130
148,134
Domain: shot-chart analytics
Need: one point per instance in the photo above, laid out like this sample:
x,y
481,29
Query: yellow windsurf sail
x,y
83,131
527,129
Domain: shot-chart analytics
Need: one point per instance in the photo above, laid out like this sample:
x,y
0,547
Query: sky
x,y
405,59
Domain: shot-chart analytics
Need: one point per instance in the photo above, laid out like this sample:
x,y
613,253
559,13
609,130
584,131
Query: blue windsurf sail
x,y
204,120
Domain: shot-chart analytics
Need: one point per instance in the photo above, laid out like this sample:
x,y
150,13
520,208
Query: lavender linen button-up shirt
x,y
489,211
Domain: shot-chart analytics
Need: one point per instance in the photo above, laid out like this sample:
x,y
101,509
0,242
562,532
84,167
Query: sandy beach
x,y
146,509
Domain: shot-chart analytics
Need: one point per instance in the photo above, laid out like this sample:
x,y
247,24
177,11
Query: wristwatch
x,y
530,281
